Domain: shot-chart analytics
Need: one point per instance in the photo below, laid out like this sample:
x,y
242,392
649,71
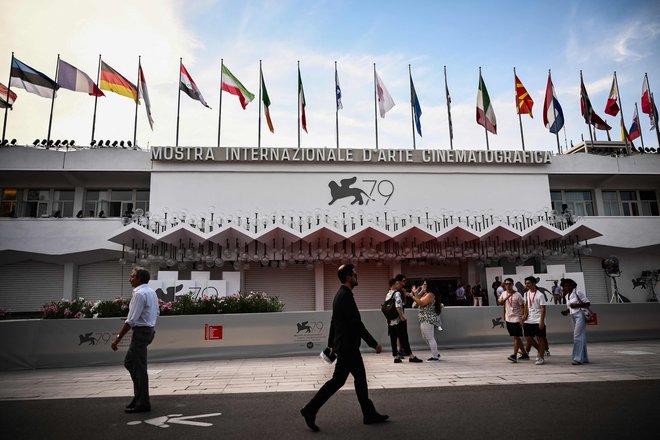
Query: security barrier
x,y
29,344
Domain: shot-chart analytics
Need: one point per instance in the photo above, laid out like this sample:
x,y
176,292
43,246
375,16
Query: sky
x,y
595,37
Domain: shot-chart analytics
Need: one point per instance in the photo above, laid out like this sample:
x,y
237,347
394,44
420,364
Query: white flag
x,y
385,101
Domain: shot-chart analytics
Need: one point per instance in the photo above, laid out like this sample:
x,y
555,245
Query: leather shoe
x,y
375,418
310,420
131,405
137,409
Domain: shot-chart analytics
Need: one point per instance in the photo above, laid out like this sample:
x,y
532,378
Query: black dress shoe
x,y
375,418
131,405
137,409
310,420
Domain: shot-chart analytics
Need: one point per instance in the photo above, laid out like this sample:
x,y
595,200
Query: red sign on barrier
x,y
212,332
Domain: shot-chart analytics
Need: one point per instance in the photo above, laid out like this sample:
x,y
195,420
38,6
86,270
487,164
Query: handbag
x,y
389,309
589,316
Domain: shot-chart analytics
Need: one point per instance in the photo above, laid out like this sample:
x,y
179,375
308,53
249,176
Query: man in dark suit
x,y
346,333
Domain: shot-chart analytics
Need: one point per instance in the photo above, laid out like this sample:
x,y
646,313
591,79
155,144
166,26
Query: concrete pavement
x,y
610,361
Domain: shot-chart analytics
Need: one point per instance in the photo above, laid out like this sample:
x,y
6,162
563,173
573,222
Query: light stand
x,y
616,296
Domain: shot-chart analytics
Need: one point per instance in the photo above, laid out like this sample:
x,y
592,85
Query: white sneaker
x,y
540,361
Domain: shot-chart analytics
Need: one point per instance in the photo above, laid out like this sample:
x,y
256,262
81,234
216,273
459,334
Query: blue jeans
x,y
579,337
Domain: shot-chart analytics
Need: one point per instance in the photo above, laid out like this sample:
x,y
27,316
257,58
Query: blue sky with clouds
x,y
597,37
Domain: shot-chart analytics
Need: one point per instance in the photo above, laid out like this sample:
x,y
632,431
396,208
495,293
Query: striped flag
x,y
553,115
485,112
7,97
301,102
188,86
231,84
70,78
115,82
266,101
144,94
31,80
635,130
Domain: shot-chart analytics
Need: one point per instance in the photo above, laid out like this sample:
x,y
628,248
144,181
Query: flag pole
x,y
4,125
554,112
451,130
591,135
485,119
641,136
137,100
618,97
178,104
261,82
222,68
52,100
412,108
96,98
376,105
336,106
522,136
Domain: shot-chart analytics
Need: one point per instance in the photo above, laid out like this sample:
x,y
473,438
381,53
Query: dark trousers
x,y
136,364
400,332
347,363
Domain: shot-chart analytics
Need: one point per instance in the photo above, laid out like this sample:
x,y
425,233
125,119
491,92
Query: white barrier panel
x,y
52,343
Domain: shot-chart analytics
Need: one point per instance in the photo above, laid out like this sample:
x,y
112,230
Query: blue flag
x,y
417,109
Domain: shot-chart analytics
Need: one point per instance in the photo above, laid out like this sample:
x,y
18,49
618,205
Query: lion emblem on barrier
x,y
344,190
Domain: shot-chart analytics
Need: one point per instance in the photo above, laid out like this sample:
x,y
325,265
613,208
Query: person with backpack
x,y
397,328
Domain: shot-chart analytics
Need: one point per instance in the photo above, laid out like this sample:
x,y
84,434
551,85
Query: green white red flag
x,y
232,85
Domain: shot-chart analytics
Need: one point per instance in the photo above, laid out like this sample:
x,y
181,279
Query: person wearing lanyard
x,y
534,318
142,314
576,303
513,310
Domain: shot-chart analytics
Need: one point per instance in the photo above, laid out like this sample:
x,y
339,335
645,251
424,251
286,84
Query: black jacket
x,y
346,327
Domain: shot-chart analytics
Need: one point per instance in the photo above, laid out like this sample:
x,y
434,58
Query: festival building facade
x,y
281,220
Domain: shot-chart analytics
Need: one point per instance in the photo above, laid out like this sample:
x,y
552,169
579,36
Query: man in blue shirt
x,y
142,315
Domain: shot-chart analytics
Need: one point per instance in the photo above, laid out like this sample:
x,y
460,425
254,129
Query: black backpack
x,y
389,309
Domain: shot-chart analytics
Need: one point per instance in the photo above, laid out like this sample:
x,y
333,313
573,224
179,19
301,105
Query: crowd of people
x,y
524,315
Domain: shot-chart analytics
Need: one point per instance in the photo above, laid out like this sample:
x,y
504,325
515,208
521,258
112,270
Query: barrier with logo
x,y
46,343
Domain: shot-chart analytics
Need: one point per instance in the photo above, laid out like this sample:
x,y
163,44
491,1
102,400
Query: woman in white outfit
x,y
577,303
429,318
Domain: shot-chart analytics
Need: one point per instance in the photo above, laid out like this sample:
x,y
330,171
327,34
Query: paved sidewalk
x,y
634,360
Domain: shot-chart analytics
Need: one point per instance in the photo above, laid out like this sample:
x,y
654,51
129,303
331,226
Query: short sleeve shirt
x,y
398,302
534,301
513,306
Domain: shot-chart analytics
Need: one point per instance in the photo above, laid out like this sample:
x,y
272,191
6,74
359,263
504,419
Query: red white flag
x,y
646,97
143,92
6,101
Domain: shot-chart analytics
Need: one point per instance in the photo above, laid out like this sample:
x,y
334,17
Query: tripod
x,y
616,296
